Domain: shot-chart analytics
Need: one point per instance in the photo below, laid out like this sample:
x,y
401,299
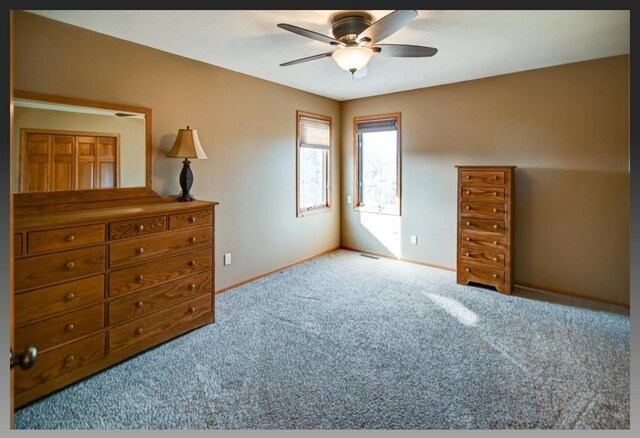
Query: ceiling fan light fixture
x,y
352,59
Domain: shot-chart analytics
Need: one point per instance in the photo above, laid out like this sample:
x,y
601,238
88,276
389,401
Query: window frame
x,y
321,208
357,167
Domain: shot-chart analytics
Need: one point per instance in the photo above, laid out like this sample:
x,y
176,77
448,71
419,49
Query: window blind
x,y
314,133
377,125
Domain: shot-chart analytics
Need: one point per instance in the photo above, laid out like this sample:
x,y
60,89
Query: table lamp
x,y
187,145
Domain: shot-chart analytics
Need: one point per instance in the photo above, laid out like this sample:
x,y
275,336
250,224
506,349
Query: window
x,y
377,163
313,147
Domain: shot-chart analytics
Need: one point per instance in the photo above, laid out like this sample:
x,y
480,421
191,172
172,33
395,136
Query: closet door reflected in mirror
x,y
61,161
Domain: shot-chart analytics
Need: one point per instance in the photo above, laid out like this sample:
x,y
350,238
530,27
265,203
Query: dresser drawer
x,y
64,238
153,273
41,303
490,243
149,300
156,323
43,270
481,274
487,225
60,361
483,194
57,330
17,244
129,252
483,258
137,227
192,219
475,209
482,177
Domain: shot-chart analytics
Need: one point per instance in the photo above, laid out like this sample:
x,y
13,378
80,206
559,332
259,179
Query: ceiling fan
x,y
357,39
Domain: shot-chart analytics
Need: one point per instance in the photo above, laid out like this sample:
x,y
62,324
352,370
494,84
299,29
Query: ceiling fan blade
x,y
308,58
386,26
310,34
404,50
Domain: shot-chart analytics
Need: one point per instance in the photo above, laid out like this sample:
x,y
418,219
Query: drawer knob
x,y
192,263
139,304
495,210
495,227
466,254
140,227
139,331
70,238
495,259
468,223
192,286
192,239
495,275
192,309
466,270
139,278
467,208
69,296
467,177
495,242
468,192
495,193
69,358
192,219
468,239
495,178
69,327
69,265
140,250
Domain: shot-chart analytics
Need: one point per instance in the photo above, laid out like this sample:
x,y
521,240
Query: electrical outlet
x,y
414,239
348,199
227,259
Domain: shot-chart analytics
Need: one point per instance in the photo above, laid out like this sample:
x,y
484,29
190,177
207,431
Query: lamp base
x,y
186,180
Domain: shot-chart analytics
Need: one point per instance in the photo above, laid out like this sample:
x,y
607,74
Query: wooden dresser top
x,y
86,213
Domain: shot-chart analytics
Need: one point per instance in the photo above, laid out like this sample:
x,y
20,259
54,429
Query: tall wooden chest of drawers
x,y
485,226
97,285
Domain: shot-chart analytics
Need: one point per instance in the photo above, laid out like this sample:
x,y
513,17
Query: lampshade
x,y
352,58
187,145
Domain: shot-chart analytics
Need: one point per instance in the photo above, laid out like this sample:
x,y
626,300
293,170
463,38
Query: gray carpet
x,y
349,342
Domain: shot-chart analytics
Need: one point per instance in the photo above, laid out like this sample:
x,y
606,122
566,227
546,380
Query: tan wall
x,y
131,130
567,130
246,125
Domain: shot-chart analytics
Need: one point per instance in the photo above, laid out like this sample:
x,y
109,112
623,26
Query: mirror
x,y
69,145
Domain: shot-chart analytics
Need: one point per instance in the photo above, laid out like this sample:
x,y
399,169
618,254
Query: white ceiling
x,y
471,44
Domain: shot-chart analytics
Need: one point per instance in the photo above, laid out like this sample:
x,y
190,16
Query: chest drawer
x,y
153,273
66,327
43,270
474,209
60,361
487,225
482,177
64,238
137,227
128,252
48,301
156,323
483,194
482,275
192,219
17,245
490,243
483,258
141,303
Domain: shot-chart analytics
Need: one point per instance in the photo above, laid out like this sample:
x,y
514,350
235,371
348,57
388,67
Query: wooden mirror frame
x,y
73,196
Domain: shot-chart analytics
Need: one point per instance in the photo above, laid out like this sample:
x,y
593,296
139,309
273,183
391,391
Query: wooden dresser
x,y
94,286
485,226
